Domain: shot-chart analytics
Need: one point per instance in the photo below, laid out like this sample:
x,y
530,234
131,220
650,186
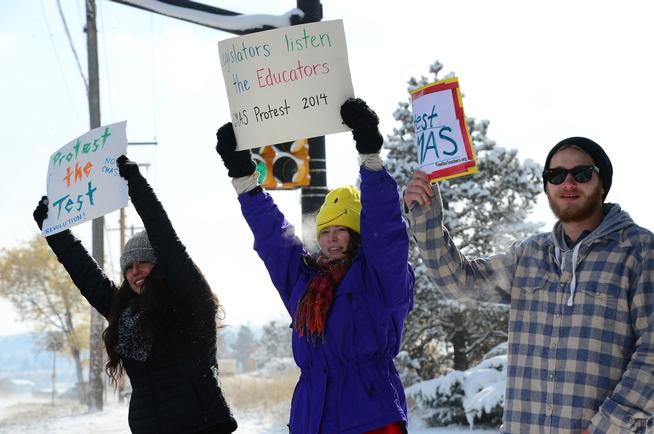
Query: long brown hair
x,y
182,317
354,244
121,300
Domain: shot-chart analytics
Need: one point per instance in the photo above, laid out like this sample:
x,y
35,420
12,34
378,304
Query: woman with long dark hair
x,y
347,302
162,320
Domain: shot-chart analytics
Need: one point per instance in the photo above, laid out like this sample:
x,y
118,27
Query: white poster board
x,y
442,139
83,181
286,84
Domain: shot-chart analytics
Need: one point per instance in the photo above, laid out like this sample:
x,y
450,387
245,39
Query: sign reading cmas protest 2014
x,y
83,181
442,139
286,84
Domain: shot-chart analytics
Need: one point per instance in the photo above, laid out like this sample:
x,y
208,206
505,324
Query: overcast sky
x,y
539,71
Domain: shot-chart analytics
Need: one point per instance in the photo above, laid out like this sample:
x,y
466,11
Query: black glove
x,y
41,211
126,167
363,120
238,163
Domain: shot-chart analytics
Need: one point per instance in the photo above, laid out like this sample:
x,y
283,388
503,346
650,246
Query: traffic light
x,y
283,166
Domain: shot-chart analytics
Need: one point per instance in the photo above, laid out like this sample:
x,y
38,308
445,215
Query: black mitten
x,y
238,163
126,167
363,120
41,211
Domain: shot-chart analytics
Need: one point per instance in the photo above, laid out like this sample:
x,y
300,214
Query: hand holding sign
x,y
442,138
41,211
418,190
83,181
126,167
238,163
364,121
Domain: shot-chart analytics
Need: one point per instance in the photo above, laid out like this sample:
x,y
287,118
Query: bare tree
x,y
32,279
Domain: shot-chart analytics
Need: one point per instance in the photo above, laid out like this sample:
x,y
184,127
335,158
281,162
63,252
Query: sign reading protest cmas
x,y
83,181
286,84
443,142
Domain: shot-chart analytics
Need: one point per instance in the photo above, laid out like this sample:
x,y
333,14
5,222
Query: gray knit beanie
x,y
137,249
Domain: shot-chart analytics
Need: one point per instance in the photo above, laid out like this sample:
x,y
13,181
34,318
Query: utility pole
x,y
313,195
121,219
54,342
96,360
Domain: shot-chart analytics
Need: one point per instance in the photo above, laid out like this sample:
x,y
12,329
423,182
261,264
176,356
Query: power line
x,y
106,61
154,90
72,47
61,70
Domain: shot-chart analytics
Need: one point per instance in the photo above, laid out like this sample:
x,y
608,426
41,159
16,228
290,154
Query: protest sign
x,y
83,181
286,84
442,139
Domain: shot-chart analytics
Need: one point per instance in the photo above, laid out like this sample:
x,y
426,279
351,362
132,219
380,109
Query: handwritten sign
x,y
286,84
83,181
442,139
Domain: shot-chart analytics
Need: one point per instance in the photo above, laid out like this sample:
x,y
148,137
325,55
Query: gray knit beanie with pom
x,y
137,249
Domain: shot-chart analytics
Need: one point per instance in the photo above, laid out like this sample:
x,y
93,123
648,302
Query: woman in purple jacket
x,y
347,302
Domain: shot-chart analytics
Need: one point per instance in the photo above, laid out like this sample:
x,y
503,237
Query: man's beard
x,y
579,213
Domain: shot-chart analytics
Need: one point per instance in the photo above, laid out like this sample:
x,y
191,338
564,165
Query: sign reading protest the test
x,y
83,180
286,84
442,139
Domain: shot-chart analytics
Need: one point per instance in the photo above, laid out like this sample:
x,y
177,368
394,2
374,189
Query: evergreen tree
x,y
484,212
244,345
276,340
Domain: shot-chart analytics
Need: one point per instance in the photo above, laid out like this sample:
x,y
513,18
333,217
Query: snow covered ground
x,y
28,415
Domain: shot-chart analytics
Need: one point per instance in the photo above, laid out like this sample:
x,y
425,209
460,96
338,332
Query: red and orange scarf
x,y
312,310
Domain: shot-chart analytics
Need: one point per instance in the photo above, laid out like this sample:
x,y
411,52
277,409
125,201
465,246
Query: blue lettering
x,y
449,139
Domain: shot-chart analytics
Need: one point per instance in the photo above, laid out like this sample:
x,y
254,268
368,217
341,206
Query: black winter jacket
x,y
172,392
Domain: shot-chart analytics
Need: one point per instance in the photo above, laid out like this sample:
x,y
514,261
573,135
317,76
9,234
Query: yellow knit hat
x,y
342,207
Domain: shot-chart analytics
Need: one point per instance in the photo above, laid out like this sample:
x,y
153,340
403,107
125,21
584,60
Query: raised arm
x,y
171,254
384,238
274,237
485,279
89,278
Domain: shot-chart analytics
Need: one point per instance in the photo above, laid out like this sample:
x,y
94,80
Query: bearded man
x,y
581,326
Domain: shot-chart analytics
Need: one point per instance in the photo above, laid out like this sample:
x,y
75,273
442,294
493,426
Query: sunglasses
x,y
581,174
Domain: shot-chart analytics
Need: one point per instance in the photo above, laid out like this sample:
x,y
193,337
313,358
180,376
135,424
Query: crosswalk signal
x,y
283,166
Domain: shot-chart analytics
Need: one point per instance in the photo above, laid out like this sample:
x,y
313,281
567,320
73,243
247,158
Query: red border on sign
x,y
453,86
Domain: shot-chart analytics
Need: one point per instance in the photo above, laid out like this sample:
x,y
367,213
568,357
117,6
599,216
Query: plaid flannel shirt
x,y
585,366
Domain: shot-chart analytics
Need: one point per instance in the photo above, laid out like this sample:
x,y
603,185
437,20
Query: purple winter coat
x,y
348,383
